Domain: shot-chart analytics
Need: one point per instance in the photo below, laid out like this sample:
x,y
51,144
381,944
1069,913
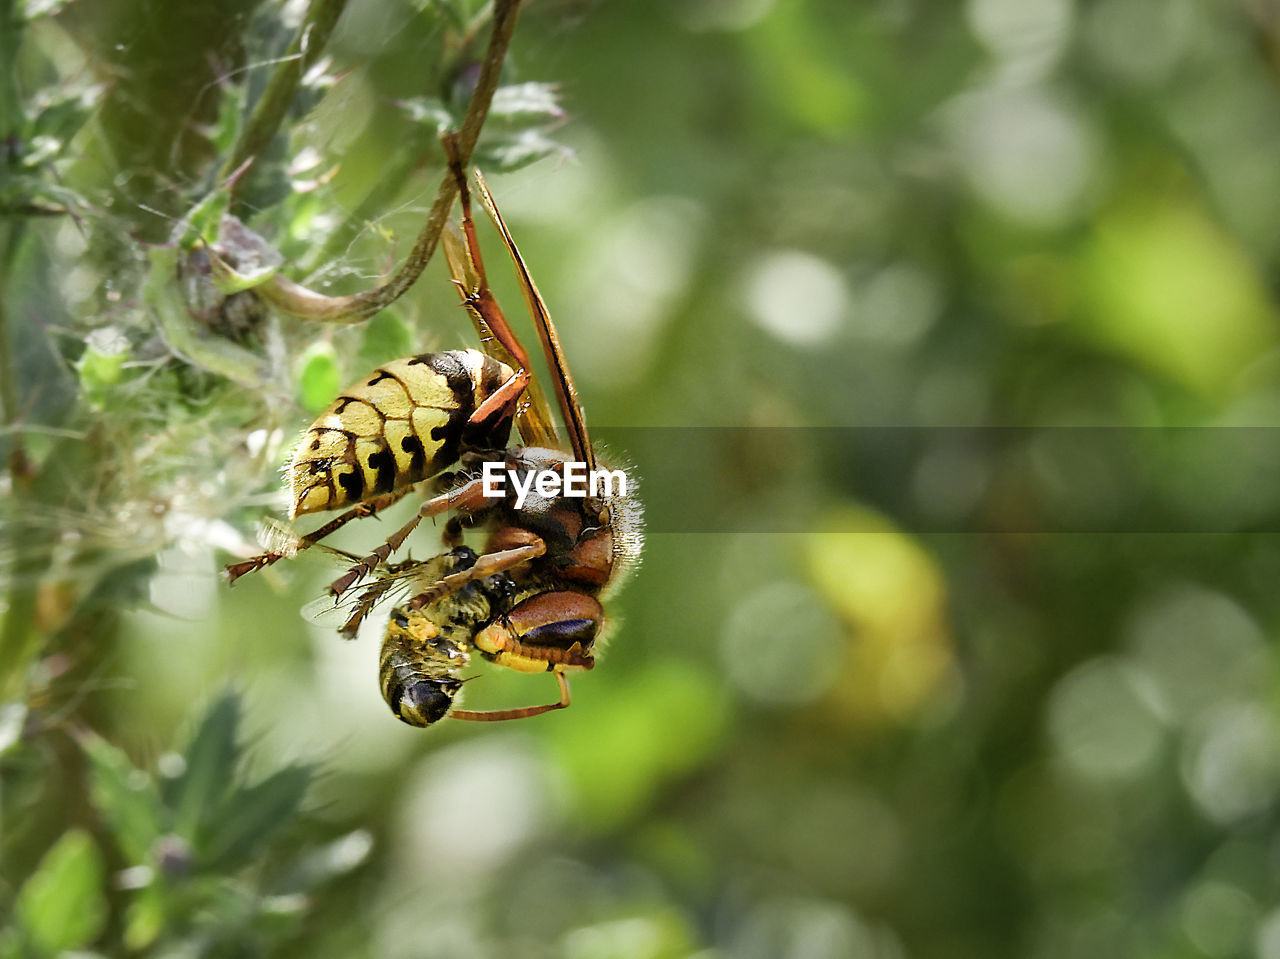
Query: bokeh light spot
x,y
474,782
781,645
1101,724
1027,34
1139,41
1231,764
811,929
1267,937
1218,917
897,305
622,289
1199,647
796,296
711,15
1027,153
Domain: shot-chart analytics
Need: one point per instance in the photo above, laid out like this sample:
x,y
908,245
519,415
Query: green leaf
x,y
61,906
1169,288
230,114
251,815
318,866
144,918
202,222
387,337
508,153
27,192
210,768
60,115
318,380
428,111
229,280
34,9
101,364
526,101
10,944
42,149
13,718
663,934
125,796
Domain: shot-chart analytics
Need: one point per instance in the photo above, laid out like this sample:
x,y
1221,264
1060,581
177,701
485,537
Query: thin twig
x,y
407,158
270,112
297,300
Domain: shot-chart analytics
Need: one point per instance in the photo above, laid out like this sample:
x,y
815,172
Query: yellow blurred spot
x,y
891,594
55,602
1169,289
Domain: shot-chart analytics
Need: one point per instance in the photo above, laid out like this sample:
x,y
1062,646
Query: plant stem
x,y
10,104
296,300
162,293
270,111
17,635
504,24
17,630
400,166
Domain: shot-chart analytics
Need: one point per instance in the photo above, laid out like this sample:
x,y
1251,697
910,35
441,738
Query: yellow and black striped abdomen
x,y
399,425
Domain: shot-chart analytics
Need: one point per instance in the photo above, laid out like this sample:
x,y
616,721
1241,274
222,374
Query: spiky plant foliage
x,y
146,401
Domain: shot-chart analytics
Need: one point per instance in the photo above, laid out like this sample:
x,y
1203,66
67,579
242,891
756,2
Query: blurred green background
x,y
944,339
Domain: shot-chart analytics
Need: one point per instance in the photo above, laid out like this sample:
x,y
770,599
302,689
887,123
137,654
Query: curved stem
x,y
296,300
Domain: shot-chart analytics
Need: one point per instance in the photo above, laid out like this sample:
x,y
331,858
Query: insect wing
x,y
326,612
346,613
562,379
533,415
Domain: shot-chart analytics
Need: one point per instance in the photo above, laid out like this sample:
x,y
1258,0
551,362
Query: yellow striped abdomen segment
x,y
401,424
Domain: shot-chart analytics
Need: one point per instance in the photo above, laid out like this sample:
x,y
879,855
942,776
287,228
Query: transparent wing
x,y
533,415
561,378
387,584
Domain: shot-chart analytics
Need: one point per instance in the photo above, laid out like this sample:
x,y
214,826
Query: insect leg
x,y
504,400
498,715
486,565
452,535
468,496
368,599
368,508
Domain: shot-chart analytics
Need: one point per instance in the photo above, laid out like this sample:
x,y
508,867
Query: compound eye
x,y
562,634
426,701
559,619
